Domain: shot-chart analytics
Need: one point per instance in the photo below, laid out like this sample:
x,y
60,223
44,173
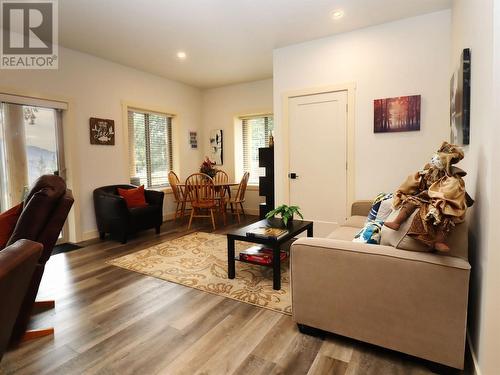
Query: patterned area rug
x,y
199,261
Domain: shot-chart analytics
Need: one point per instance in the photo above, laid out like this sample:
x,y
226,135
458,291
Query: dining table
x,y
217,185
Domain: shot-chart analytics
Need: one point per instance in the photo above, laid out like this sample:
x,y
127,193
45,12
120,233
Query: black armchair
x,y
114,217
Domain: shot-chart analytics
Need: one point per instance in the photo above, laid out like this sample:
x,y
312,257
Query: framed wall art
x,y
102,131
216,146
460,101
400,114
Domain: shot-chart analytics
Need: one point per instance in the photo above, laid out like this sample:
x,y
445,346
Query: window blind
x,y
150,147
256,132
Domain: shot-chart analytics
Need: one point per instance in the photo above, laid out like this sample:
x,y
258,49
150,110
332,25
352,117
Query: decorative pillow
x,y
400,238
376,205
385,209
134,197
8,221
370,233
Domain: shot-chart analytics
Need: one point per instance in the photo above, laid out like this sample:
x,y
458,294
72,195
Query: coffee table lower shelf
x,y
297,227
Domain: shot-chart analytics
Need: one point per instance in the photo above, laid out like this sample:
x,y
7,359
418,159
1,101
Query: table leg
x,y
276,268
310,231
230,259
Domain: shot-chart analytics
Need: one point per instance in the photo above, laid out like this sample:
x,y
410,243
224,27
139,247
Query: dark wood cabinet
x,y
266,183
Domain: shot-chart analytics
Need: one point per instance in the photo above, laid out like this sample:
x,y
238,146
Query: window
x,y
150,147
256,132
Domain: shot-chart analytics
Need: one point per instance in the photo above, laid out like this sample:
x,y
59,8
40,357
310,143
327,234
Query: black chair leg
x,y
102,235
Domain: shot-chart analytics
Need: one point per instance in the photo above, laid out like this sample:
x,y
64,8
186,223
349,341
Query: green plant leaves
x,y
286,212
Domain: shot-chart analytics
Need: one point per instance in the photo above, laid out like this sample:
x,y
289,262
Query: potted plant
x,y
286,213
207,167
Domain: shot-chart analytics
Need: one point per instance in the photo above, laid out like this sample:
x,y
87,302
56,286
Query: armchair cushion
x,y
8,220
134,197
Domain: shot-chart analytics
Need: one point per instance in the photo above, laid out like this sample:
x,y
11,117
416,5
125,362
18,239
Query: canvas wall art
x,y
460,101
400,114
102,131
193,139
216,146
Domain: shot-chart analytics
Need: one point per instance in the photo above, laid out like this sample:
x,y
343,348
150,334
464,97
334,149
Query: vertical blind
x,y
150,147
256,133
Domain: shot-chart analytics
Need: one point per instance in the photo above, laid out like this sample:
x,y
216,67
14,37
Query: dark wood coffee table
x,y
296,227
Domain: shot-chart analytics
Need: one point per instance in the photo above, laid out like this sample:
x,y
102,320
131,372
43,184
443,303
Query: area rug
x,y
199,260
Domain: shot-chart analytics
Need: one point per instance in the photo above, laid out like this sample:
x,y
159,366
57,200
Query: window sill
x,y
253,187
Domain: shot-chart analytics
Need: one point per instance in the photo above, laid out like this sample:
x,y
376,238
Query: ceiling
x,y
226,41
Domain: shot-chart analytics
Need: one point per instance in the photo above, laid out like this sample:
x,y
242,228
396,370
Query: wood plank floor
x,y
112,321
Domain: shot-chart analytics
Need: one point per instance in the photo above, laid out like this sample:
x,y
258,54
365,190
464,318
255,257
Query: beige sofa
x,y
412,302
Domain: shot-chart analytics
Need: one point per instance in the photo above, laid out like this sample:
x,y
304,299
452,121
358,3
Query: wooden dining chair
x,y
236,202
221,177
179,196
200,191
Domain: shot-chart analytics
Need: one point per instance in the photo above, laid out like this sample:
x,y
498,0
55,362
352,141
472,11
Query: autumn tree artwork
x,y
399,114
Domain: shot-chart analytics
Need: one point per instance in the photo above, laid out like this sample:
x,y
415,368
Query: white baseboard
x,y
475,363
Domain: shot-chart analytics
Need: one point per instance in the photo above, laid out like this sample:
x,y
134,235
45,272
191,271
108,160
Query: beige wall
x,y
475,25
96,88
221,106
406,57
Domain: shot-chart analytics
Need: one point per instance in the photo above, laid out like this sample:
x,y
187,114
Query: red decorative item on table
x,y
207,167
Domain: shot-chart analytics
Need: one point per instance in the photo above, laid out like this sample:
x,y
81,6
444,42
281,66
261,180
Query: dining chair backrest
x,y
200,188
221,177
173,180
242,187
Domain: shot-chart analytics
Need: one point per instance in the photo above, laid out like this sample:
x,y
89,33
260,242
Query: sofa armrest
x,y
412,302
361,207
154,197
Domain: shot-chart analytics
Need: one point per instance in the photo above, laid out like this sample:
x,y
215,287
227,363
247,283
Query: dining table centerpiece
x,y
207,167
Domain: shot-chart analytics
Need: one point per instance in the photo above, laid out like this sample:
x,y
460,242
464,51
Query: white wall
x,y
475,25
96,88
406,57
220,108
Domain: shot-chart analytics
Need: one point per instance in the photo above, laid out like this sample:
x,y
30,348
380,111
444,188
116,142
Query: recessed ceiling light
x,y
181,55
337,14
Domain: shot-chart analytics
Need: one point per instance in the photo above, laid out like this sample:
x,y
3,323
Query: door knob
x,y
293,176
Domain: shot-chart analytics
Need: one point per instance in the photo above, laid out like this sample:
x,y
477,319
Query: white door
x,y
318,158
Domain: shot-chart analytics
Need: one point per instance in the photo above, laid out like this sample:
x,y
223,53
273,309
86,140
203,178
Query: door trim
x,y
350,88
71,153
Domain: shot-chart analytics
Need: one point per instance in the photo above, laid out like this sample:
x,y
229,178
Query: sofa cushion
x,y
457,240
344,233
355,221
399,238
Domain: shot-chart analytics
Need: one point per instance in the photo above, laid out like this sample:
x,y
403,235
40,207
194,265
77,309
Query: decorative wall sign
x,y
216,146
460,101
193,139
102,131
399,114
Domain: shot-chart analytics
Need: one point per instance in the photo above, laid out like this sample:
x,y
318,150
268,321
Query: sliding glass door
x,y
30,145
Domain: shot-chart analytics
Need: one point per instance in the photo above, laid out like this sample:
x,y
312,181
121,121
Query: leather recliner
x,y
114,217
45,210
17,264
